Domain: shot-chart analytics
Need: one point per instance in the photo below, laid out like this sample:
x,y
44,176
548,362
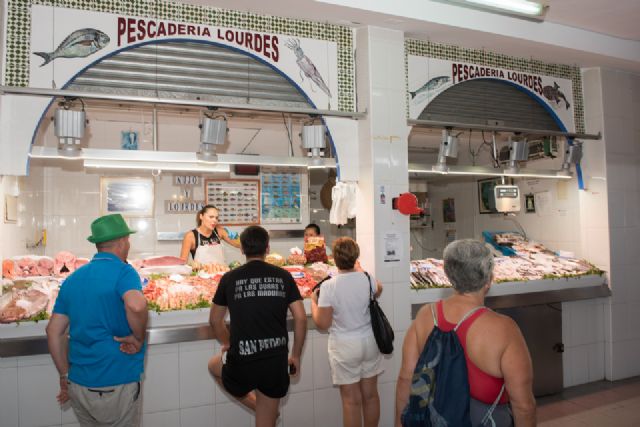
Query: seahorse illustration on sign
x,y
307,66
553,93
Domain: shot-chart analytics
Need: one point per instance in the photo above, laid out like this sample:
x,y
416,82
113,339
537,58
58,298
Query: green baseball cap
x,y
109,227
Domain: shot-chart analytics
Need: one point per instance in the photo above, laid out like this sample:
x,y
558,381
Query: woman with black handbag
x,y
341,305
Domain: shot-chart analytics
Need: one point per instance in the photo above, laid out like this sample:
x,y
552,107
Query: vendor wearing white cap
x,y
204,241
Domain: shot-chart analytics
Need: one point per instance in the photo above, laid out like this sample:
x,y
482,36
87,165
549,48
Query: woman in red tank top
x,y
495,351
483,386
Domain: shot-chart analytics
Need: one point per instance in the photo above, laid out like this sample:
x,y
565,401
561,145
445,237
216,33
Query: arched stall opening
x,y
491,165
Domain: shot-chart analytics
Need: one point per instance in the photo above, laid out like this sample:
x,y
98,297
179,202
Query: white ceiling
x,y
587,33
618,18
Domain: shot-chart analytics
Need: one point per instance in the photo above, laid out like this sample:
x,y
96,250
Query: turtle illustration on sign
x,y
307,66
553,93
79,44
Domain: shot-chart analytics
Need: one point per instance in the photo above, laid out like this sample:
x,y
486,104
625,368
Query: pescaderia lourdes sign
x,y
65,42
430,77
82,38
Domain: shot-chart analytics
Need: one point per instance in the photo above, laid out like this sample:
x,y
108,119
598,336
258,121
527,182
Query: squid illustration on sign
x,y
79,44
307,66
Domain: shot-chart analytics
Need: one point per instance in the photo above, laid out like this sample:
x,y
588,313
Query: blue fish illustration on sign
x,y
430,86
79,44
307,66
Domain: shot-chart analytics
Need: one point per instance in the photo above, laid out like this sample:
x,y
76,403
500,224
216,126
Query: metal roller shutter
x,y
483,101
187,70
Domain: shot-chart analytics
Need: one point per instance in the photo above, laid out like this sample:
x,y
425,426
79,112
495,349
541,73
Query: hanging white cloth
x,y
343,206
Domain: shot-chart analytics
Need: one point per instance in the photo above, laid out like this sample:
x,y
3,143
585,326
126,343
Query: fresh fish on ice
x,y
79,44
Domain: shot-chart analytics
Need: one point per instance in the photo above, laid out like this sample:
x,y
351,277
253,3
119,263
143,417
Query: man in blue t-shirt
x,y
103,306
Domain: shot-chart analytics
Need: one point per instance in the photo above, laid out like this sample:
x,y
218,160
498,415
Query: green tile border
x,y
492,59
19,30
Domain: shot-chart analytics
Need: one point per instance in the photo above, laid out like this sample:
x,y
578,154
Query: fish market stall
x,y
179,295
530,284
499,152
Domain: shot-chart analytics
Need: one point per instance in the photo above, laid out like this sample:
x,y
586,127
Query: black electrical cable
x,y
288,133
251,140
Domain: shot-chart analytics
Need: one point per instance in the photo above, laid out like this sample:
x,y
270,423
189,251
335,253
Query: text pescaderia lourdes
x,y
132,30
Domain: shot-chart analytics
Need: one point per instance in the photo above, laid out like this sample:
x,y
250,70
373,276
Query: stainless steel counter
x,y
534,298
29,346
197,331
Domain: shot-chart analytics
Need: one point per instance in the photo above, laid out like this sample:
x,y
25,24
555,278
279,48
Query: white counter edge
x,y
156,320
421,296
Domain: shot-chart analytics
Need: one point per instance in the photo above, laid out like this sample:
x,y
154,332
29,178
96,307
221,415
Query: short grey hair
x,y
468,264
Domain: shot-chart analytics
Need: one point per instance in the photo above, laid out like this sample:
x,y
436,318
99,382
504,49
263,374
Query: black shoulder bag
x,y
382,330
317,286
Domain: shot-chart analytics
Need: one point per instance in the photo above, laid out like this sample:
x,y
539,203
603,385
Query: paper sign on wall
x,y
392,247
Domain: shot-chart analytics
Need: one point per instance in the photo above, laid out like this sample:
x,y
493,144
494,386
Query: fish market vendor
x,y
312,230
204,242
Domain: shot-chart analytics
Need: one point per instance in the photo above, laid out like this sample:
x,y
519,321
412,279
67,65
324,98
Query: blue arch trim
x,y
115,52
544,105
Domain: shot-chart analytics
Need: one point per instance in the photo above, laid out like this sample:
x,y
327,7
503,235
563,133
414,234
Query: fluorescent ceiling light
x,y
161,166
487,171
325,166
538,174
526,8
244,159
172,160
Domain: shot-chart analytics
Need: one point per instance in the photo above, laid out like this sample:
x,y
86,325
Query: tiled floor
x,y
598,404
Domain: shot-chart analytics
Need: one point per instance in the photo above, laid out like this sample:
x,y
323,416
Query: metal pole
x,y
12,90
290,133
467,126
155,128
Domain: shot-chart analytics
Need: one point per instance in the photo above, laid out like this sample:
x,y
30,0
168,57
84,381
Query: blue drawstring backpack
x,y
439,394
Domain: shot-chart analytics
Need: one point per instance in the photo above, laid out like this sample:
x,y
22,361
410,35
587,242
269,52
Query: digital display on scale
x,y
510,191
507,198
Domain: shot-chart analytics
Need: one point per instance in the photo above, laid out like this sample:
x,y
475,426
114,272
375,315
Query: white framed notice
x,y
131,197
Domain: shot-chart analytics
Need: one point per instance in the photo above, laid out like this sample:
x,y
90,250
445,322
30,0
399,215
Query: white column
x,y
383,156
620,98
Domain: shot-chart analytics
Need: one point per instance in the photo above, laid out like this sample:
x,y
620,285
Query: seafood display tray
x,y
29,338
522,294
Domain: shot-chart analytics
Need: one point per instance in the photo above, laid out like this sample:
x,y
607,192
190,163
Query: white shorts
x,y
352,359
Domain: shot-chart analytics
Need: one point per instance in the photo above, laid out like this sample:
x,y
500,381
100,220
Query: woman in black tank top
x,y
208,232
202,240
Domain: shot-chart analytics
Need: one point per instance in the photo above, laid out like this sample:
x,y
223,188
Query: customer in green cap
x,y
103,306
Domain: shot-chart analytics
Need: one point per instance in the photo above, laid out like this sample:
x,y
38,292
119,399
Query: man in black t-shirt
x,y
257,296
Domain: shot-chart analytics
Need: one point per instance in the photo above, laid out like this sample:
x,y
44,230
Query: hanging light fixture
x,y
313,140
572,156
213,131
69,128
518,152
448,148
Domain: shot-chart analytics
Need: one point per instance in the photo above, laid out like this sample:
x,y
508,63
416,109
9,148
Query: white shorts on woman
x,y
353,358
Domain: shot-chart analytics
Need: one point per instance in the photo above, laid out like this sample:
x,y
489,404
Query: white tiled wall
x,y
179,392
14,237
621,114
383,157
